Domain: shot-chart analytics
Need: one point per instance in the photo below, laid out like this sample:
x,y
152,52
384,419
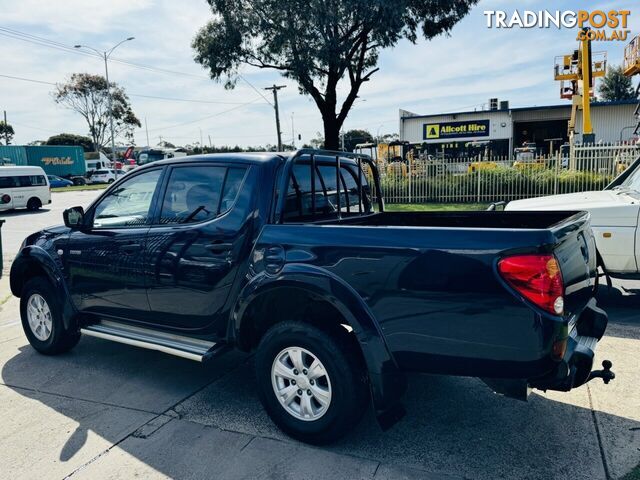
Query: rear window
x,y
299,204
100,172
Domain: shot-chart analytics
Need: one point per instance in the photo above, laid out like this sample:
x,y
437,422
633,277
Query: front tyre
x,y
311,382
41,315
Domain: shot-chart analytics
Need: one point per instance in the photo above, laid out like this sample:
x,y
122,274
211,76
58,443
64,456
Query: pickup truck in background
x,y
292,257
615,215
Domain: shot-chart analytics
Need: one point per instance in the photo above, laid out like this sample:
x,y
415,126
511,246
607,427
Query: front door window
x,y
128,205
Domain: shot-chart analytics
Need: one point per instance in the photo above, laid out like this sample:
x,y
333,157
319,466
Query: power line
x,y
185,99
26,37
203,118
27,79
173,99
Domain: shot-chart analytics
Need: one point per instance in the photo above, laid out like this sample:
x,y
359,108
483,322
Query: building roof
x,y
520,109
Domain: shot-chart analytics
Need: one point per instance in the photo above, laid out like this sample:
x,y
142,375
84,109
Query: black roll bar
x,y
312,153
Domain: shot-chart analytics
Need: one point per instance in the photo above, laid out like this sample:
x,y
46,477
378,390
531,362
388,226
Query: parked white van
x,y
23,187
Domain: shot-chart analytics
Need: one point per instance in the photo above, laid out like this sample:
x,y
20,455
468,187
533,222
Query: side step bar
x,y
178,345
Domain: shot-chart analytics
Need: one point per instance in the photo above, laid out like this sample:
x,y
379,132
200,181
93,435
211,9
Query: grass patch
x,y
434,207
633,474
97,186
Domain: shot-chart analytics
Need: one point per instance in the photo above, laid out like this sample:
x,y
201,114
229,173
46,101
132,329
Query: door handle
x,y
219,247
131,248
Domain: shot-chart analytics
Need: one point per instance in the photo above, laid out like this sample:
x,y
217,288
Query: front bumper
x,y
575,367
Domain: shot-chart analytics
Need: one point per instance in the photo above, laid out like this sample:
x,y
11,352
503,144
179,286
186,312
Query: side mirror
x,y
74,217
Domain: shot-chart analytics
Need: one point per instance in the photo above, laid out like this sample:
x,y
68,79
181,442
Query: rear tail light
x,y
537,278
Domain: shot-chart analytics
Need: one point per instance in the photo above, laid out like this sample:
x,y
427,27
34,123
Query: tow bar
x,y
605,374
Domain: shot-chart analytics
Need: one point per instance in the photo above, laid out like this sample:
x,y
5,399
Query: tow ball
x,y
605,374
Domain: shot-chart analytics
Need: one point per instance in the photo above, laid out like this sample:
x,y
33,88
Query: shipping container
x,y
13,155
63,161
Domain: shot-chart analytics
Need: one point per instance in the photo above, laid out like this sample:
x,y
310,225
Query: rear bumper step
x,y
177,345
574,369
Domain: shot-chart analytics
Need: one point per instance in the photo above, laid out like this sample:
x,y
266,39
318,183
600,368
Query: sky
x,y
458,72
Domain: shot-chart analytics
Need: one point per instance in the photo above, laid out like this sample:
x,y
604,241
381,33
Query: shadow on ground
x,y
103,391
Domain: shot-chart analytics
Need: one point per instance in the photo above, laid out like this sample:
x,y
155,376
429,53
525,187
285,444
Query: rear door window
x,y
199,193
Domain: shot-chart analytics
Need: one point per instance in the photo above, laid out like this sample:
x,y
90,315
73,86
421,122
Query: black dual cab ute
x,y
293,257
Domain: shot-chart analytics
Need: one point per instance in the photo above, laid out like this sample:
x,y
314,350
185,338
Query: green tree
x,y
317,43
616,86
6,133
89,96
354,137
72,139
388,138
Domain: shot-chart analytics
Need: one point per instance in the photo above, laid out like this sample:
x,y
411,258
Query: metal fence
x,y
490,179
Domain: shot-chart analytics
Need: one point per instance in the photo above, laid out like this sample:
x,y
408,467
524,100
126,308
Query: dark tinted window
x,y
231,188
196,194
298,203
7,182
31,181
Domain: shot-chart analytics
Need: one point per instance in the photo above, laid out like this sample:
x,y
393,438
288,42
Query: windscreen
x,y
632,182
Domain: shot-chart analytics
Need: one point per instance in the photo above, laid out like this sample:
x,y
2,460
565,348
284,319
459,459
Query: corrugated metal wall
x,y
610,122
549,114
13,154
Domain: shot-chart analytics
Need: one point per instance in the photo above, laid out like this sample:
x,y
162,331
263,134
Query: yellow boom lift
x,y
577,73
630,68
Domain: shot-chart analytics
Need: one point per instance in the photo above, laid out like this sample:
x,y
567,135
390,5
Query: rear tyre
x,y
312,383
111,180
41,315
34,204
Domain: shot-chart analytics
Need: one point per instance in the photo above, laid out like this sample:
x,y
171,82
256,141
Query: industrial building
x,y
501,128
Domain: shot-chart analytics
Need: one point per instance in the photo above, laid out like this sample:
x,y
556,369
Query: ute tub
x,y
482,219
430,284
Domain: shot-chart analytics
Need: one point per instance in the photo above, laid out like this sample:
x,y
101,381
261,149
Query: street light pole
x,y
105,55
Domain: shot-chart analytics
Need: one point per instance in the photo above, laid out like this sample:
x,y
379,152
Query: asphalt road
x,y
107,410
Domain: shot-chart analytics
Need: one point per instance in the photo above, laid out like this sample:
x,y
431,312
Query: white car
x,y
105,176
23,187
614,219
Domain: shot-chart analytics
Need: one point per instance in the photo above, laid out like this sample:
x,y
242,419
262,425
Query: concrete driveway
x,y
107,410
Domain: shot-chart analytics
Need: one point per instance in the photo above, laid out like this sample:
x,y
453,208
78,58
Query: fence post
x,y
555,178
479,169
409,173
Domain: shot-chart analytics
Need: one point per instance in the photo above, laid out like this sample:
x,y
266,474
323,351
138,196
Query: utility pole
x,y
6,129
105,55
210,143
275,89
